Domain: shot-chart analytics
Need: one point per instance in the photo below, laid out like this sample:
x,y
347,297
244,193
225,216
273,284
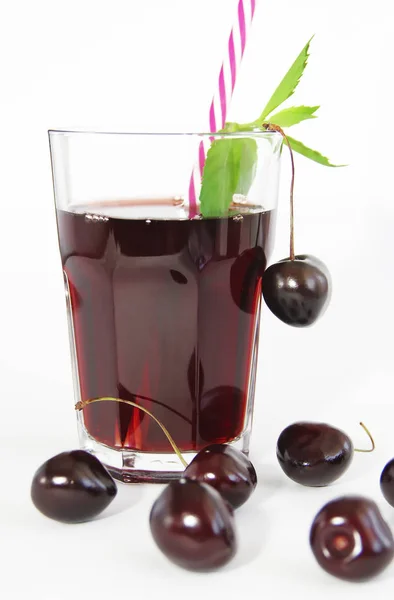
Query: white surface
x,y
85,63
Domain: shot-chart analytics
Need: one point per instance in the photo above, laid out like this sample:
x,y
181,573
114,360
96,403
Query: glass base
x,y
131,466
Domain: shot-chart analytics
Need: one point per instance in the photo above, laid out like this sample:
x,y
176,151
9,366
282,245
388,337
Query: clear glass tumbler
x,y
163,304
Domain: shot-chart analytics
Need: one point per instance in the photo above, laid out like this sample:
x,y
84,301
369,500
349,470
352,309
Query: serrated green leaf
x,y
231,163
288,84
230,168
293,115
299,147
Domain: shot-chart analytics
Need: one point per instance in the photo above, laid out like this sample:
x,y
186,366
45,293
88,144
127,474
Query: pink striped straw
x,y
222,98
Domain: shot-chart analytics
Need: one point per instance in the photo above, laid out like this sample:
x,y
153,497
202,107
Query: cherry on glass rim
x,y
297,289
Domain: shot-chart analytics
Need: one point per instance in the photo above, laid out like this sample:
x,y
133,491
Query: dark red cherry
x,y
72,487
297,291
387,482
226,469
193,525
314,454
350,539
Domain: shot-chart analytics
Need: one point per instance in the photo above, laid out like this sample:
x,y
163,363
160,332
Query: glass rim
x,y
256,133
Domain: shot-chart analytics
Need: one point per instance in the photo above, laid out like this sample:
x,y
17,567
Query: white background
x,y
153,65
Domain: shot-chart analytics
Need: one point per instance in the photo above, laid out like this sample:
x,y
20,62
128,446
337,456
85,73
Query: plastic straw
x,y
226,84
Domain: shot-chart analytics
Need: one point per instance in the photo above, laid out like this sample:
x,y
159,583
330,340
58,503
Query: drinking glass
x,y
163,304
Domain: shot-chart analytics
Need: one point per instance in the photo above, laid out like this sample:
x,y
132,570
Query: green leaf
x,y
309,153
230,168
247,151
288,84
293,115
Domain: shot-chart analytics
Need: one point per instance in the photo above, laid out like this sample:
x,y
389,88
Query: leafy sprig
x,y
231,162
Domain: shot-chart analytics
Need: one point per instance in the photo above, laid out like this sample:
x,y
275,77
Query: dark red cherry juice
x,y
165,314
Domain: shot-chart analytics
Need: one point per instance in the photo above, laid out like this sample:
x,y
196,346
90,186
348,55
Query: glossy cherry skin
x,y
297,291
387,482
193,526
226,469
72,487
350,539
314,454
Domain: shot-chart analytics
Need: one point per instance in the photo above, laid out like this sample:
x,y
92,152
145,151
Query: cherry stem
x,y
370,437
273,127
82,403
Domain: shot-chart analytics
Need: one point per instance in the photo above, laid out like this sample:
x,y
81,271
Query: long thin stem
x,y
141,397
80,405
370,437
272,127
